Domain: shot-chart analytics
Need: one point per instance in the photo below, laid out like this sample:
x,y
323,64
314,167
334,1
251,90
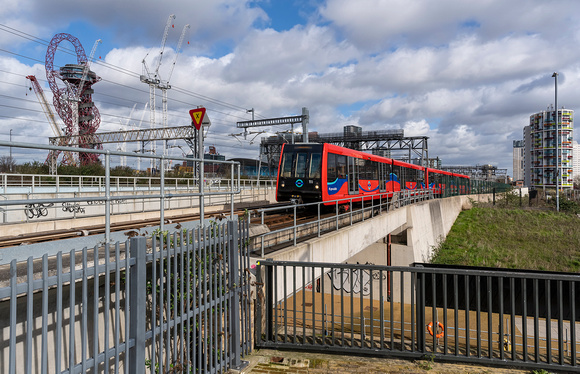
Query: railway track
x,y
45,236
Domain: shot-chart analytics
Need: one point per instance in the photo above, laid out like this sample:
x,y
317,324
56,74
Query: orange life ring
x,y
439,325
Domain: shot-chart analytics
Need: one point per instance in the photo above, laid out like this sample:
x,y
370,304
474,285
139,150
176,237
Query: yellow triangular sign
x,y
197,116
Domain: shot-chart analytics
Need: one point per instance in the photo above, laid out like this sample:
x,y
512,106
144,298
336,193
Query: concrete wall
x,y
426,224
15,221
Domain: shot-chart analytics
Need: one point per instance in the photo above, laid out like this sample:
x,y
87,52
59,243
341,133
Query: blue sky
x,y
466,74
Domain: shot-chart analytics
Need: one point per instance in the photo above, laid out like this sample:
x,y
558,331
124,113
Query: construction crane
x,y
164,85
152,78
68,158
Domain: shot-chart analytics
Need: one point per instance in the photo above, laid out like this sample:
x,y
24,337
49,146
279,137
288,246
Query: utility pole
x,y
11,161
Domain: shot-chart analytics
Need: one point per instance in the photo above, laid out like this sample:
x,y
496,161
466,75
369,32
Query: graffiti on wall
x,y
37,210
354,280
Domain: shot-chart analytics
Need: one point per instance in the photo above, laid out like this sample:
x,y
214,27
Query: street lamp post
x,y
11,151
555,76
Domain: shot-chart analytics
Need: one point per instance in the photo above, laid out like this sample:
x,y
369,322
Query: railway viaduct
x,y
416,229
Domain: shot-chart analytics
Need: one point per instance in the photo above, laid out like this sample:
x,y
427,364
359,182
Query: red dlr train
x,y
314,172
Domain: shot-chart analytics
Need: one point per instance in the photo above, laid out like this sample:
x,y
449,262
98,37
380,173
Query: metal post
x,y
107,197
162,193
305,118
137,297
201,166
555,75
11,152
235,297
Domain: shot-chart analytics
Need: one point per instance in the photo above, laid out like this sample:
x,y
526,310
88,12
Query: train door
x,y
353,175
384,176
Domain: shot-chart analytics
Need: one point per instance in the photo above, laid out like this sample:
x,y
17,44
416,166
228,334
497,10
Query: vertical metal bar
x,y
285,286
548,321
96,307
84,312
332,313
176,296
445,340
313,306
29,315
259,283
107,197
456,312
118,307
350,278
161,307
303,304
402,285
154,292
342,307
59,311
138,297
381,310
467,332
536,327
524,321
513,318
189,274
275,304
295,288
500,313
478,313
107,306
182,296
13,309
205,302
44,357
489,318
434,319
391,310
371,316
294,225
235,306
318,205
573,296
561,322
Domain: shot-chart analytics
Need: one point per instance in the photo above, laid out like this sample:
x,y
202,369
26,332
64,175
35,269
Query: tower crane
x,y
152,78
53,155
164,85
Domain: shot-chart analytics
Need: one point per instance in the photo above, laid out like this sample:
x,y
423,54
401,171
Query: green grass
x,y
513,238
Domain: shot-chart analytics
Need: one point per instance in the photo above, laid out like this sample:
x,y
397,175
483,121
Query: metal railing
x,y
511,318
340,217
38,206
180,303
11,183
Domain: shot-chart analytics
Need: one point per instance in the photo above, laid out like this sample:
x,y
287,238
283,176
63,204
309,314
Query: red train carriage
x,y
325,172
312,172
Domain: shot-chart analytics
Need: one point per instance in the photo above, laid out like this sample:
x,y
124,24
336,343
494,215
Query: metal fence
x,y
173,303
508,318
339,217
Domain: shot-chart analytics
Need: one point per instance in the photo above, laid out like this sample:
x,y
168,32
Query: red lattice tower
x,y
72,75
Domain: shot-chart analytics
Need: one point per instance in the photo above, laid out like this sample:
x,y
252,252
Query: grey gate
x,y
173,303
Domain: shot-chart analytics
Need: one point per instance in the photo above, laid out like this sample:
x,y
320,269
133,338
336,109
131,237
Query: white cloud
x,y
466,74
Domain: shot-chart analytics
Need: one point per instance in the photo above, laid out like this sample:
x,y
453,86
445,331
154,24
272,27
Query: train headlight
x,y
316,186
282,184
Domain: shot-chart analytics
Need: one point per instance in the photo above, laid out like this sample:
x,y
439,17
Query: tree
x,y
577,182
7,164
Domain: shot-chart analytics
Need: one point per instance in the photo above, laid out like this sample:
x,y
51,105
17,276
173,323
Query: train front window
x,y
286,169
301,161
314,171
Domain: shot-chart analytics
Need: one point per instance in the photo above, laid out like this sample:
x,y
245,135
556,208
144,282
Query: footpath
x,y
275,361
